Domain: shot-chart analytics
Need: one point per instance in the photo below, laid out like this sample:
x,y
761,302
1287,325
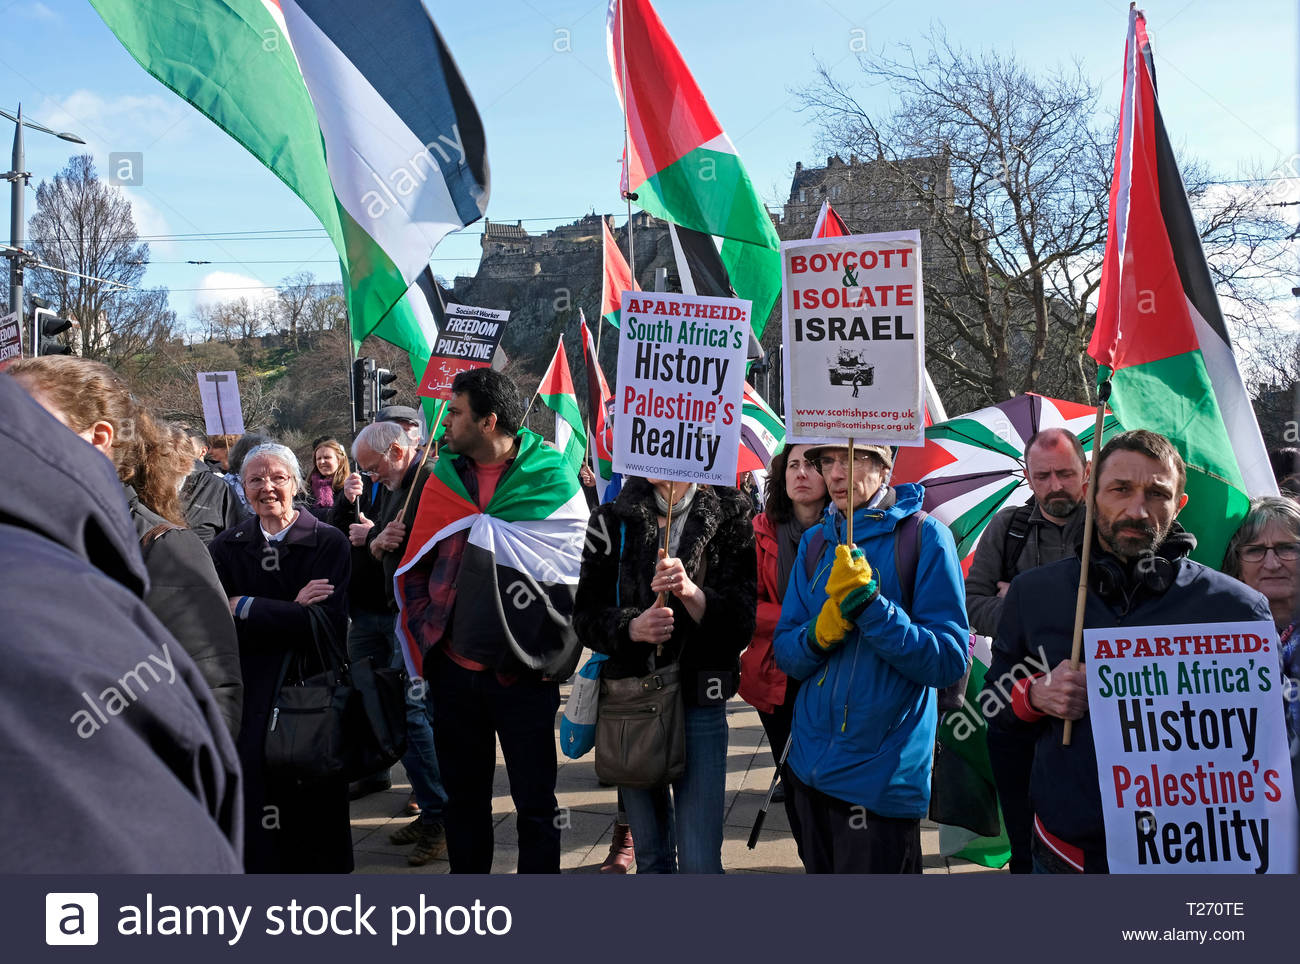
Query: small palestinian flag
x,y
556,393
616,279
599,399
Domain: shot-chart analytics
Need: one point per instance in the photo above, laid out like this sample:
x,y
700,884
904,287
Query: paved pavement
x,y
589,810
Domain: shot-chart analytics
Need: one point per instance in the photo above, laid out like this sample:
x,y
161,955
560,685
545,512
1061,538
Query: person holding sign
x,y
871,636
693,607
1139,575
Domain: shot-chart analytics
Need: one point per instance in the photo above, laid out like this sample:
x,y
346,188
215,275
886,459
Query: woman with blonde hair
x,y
330,469
95,403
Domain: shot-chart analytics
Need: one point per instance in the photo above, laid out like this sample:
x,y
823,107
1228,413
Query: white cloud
x,y
227,285
126,123
149,221
39,11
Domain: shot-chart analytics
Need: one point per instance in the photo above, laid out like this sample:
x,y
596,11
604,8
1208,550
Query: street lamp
x,y
18,179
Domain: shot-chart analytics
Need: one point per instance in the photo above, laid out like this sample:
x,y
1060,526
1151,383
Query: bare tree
x,y
85,229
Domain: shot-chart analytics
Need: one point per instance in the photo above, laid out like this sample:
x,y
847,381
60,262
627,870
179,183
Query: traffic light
x,y
384,395
48,327
360,388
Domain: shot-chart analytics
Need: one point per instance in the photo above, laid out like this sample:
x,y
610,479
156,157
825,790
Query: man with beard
x,y
1020,538
1139,575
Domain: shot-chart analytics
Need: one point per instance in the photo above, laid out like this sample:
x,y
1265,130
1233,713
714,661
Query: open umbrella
x,y
973,465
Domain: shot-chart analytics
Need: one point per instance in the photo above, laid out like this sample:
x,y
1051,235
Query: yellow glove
x,y
852,586
830,628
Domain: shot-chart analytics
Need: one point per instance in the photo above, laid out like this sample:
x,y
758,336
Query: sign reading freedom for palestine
x,y
468,339
681,382
1192,752
853,321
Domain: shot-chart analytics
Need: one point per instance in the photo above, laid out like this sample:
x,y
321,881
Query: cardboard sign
x,y
11,337
681,381
1192,751
853,321
468,339
222,412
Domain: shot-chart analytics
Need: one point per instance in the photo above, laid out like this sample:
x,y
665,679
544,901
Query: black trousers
x,y
471,710
842,838
777,727
1011,758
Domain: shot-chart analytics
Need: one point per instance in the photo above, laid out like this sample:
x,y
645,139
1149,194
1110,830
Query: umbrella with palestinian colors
x,y
973,465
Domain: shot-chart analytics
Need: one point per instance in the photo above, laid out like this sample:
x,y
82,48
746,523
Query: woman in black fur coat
x,y
709,576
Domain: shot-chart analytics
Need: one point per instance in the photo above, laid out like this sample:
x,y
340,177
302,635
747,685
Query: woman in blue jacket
x,y
865,718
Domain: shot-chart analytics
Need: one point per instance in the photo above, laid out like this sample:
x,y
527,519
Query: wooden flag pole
x,y
1081,600
850,501
662,599
429,446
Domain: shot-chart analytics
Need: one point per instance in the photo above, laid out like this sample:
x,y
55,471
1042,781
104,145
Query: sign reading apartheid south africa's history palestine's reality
x,y
681,383
468,339
854,331
1192,751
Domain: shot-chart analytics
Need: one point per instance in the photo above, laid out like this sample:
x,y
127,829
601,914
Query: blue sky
x,y
538,72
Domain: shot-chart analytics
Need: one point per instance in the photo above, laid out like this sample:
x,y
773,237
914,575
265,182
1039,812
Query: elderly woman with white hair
x,y
286,574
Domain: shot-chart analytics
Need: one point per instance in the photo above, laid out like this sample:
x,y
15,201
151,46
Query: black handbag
x,y
641,730
344,722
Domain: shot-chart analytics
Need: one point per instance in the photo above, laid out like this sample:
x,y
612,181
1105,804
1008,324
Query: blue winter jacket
x,y
864,720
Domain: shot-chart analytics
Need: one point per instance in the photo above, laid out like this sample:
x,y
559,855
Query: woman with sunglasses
x,y
1265,555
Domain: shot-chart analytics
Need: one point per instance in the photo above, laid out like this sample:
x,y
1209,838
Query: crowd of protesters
x,y
138,547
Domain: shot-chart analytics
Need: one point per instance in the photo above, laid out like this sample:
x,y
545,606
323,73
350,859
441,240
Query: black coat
x,y
186,596
209,505
291,827
614,586
154,788
366,589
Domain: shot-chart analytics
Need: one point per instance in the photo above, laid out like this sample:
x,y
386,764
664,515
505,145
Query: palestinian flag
x,y
556,393
1160,337
361,112
530,537
599,404
680,163
616,279
762,433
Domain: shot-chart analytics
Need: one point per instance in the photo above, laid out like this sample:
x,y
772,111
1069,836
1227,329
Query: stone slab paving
x,y
588,810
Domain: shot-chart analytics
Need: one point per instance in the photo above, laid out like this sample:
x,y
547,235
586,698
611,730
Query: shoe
x,y
778,795
363,788
412,808
408,834
431,845
621,852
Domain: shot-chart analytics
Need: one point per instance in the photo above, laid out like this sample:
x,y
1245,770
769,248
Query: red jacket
x,y
762,685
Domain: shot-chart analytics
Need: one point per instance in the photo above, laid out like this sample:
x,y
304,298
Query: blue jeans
x,y
684,834
374,634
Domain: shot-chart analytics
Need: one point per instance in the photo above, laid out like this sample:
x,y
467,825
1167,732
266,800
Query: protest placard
x,y
854,330
681,381
1192,753
222,412
468,339
11,337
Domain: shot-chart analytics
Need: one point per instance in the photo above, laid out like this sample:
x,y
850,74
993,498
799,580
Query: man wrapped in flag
x,y
500,530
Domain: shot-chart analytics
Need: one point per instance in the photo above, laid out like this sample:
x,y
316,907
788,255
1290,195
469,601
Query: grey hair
x,y
280,453
1263,511
379,437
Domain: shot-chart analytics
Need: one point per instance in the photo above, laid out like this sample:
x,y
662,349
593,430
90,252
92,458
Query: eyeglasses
x,y
1285,551
825,463
373,473
262,481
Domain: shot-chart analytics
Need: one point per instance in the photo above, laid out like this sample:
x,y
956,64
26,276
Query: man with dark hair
x,y
492,636
1139,576
1019,538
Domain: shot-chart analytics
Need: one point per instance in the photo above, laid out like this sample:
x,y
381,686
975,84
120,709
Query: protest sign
x,y
854,330
11,337
1192,753
468,339
222,412
681,380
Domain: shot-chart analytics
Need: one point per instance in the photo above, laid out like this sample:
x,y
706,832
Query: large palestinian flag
x,y
530,537
358,108
1160,336
681,165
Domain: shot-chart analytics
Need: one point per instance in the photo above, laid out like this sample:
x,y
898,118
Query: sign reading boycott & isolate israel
x,y
854,331
1191,746
681,382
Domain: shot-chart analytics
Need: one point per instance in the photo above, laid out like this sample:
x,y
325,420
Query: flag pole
x,y
428,447
662,599
850,503
1081,600
627,146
